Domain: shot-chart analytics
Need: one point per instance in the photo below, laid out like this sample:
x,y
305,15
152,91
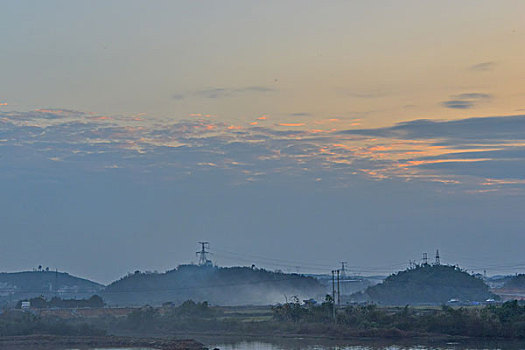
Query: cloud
x,y
464,151
466,100
177,97
486,129
490,147
290,124
483,66
219,92
458,104
472,96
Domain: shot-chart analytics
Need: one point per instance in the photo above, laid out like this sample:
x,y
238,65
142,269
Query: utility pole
x,y
343,276
438,260
338,291
333,295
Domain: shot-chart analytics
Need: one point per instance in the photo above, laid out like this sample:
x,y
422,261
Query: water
x,y
316,344
234,343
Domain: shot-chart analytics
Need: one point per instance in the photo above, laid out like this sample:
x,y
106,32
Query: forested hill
x,y
15,286
427,284
516,282
217,285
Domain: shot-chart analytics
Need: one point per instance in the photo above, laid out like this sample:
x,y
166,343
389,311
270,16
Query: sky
x,y
291,135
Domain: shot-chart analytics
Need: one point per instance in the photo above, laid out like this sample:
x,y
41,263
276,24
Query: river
x,y
324,344
316,344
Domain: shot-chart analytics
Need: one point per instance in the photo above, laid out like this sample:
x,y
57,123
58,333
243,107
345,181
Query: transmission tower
x,y
425,259
203,259
438,261
343,269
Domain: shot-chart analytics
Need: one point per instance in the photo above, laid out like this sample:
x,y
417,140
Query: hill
x,y
216,285
427,285
515,282
15,286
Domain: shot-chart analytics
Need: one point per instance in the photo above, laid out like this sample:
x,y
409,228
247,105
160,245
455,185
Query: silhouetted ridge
x,y
427,284
28,284
217,285
516,282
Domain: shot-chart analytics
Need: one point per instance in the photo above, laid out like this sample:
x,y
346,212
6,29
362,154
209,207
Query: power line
x,y
279,260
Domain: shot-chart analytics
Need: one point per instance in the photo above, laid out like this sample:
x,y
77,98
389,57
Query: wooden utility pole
x,y
333,295
338,291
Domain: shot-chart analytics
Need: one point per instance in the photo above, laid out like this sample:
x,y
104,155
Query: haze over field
x,y
290,135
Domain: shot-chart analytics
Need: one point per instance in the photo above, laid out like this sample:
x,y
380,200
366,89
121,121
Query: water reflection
x,y
316,344
114,349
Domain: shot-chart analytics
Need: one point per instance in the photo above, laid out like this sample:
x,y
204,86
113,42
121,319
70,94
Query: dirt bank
x,y
47,342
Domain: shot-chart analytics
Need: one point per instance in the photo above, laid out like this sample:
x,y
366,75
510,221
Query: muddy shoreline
x,y
48,342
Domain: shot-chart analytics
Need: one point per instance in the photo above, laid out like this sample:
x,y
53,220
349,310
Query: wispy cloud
x,y
458,104
290,124
453,152
220,92
483,66
466,100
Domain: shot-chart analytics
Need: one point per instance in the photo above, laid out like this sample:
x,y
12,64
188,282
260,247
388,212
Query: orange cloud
x,y
234,127
262,118
63,112
373,173
492,182
290,124
380,148
436,161
3,103
340,145
326,121
254,123
318,131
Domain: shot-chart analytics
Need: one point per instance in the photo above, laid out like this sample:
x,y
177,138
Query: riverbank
x,y
48,342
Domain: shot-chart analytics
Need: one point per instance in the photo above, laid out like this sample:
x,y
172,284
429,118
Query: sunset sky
x,y
290,134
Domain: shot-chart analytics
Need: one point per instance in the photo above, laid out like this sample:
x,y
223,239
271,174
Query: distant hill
x,y
217,285
515,282
426,284
15,286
